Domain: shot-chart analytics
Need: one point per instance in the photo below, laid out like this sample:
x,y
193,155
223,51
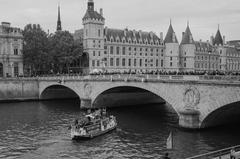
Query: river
x,y
40,130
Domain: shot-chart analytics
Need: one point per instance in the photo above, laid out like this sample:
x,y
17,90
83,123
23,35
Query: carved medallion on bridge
x,y
191,97
87,90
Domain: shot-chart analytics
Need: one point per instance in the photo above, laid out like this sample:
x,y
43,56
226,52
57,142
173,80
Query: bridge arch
x,y
159,93
227,114
57,91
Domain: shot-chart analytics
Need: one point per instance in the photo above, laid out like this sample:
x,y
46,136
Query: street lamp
x,y
209,66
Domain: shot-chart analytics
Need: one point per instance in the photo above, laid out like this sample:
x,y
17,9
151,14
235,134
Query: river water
x,y
40,130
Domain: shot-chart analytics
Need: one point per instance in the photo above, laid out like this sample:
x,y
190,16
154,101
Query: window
x,y
94,53
99,53
98,63
123,50
111,50
135,62
170,58
15,69
140,62
123,62
129,48
99,32
117,62
161,63
118,51
156,62
111,61
86,32
129,62
93,63
185,65
135,49
15,51
170,64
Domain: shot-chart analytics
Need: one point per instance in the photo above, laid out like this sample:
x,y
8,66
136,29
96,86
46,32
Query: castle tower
x,y
93,37
187,51
59,24
218,42
172,50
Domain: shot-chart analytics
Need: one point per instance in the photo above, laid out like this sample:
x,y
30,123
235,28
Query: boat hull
x,y
91,136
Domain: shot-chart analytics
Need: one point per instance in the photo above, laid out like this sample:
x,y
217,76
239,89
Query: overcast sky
x,y
147,15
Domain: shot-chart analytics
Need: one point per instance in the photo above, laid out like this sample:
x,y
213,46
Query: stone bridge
x,y
199,101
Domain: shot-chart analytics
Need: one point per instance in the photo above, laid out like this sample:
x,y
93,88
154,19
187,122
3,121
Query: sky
x,y
146,15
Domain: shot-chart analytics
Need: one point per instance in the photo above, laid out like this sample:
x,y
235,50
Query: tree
x,y
63,50
35,49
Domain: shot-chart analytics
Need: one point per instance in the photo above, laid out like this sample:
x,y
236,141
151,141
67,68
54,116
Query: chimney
x,y
6,24
161,36
101,11
211,40
224,39
106,30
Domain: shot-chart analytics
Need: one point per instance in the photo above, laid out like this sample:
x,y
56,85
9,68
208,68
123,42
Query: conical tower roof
x,y
171,36
187,37
218,38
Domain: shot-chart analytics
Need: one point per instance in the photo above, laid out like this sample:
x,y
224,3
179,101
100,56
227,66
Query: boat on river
x,y
93,125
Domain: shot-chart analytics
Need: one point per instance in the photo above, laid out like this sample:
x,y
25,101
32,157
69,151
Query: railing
x,y
140,78
216,154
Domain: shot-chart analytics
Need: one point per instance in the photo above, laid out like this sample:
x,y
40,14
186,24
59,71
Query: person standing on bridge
x,y
232,154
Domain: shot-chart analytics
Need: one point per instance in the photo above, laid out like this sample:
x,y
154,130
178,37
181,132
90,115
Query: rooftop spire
x,y
90,5
59,24
170,36
187,36
218,40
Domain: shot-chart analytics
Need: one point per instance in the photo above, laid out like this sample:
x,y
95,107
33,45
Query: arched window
x,y
118,51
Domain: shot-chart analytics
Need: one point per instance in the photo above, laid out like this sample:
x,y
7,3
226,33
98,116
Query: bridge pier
x,y
86,103
189,119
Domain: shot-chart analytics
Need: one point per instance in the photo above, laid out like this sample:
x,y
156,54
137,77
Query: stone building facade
x,y
124,50
11,44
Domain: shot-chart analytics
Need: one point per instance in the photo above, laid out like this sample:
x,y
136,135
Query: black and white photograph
x,y
111,79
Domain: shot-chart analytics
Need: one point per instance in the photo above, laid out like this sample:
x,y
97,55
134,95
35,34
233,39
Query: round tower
x,y
171,51
187,49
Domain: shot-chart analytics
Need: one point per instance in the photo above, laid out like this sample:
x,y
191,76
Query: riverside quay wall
x,y
19,89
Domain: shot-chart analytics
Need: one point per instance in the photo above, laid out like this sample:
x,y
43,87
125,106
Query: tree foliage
x,y
62,49
45,53
35,48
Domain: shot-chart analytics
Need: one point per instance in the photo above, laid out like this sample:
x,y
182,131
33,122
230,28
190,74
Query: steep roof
x,y
93,15
235,43
187,37
130,34
203,45
171,36
218,39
